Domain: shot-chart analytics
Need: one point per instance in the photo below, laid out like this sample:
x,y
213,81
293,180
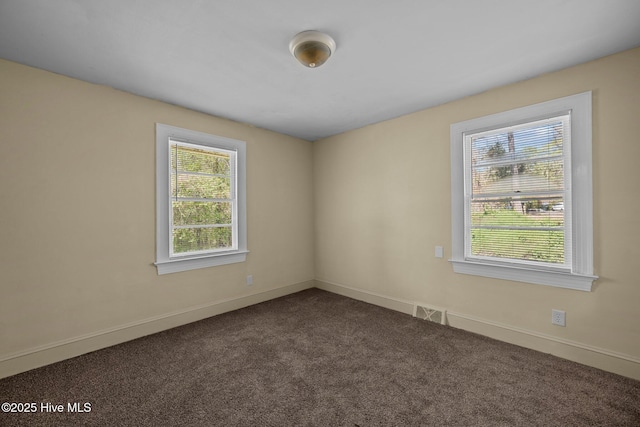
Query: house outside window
x,y
200,212
522,194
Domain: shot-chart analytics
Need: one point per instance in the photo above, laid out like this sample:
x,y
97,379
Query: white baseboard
x,y
396,304
607,360
601,358
32,358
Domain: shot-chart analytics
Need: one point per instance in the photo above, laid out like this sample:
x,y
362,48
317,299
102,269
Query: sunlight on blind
x,y
516,209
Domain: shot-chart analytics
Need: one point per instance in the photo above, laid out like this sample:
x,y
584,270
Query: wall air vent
x,y
430,313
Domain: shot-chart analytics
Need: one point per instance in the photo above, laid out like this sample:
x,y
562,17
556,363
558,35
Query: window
x,y
200,211
522,195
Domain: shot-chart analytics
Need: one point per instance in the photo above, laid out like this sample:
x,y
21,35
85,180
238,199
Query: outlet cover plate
x,y
558,317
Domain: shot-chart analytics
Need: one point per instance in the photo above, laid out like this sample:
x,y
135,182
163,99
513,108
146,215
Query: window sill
x,y
558,279
184,264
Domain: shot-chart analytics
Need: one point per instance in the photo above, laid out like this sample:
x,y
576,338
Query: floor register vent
x,y
430,313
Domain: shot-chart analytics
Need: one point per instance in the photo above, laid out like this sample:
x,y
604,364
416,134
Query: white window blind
x,y
203,199
517,206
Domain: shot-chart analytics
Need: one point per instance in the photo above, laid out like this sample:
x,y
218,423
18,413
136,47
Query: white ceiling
x,y
231,58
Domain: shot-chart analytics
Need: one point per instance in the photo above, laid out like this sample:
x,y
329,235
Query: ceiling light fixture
x,y
312,48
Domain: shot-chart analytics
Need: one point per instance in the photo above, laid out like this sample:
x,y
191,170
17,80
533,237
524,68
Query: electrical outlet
x,y
558,317
249,280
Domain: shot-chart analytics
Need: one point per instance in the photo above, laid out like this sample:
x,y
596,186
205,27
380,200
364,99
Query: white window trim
x,y
580,276
166,263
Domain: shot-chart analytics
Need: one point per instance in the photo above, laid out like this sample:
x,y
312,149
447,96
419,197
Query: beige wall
x,y
361,212
77,229
382,203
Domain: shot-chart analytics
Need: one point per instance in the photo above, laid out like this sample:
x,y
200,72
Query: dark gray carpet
x,y
319,359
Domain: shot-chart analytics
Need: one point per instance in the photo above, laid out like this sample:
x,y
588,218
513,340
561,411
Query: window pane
x,y
200,186
201,239
201,173
201,213
530,213
541,176
529,245
517,192
519,144
187,159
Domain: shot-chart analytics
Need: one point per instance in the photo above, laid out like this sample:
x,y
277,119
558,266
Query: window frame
x,y
579,275
166,262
